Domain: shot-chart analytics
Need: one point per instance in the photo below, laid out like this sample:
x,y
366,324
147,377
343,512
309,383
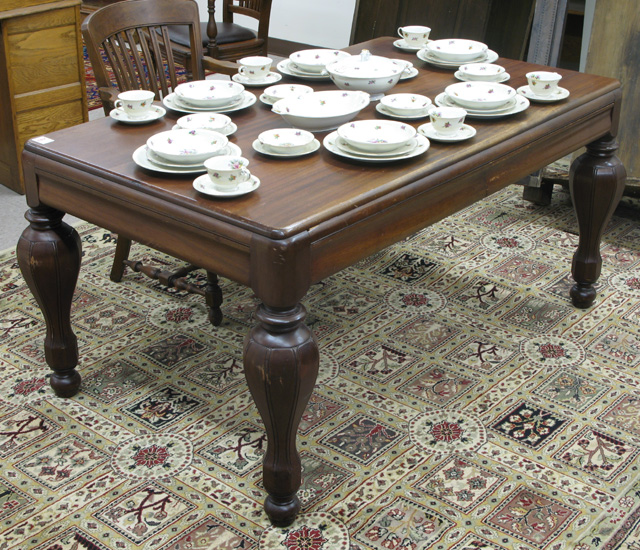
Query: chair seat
x,y
227,33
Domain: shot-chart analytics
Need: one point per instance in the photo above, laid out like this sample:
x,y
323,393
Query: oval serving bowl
x,y
480,95
187,146
319,111
209,93
376,136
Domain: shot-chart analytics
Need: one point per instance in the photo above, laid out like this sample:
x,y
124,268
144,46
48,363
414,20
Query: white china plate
x,y
425,56
402,44
465,132
384,111
271,78
501,77
284,67
450,102
174,103
402,150
154,113
558,95
522,103
226,131
311,148
204,186
330,144
141,158
407,75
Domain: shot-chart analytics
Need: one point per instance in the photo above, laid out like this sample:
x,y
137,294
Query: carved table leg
x,y
596,181
281,365
49,253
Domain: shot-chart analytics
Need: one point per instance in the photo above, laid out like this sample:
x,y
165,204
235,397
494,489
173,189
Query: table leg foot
x,y
596,182
49,254
281,365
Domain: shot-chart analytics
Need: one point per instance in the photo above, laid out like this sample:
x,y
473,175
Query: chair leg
x,y
123,246
213,297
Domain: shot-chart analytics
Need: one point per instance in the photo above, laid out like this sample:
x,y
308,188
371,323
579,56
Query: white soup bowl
x,y
209,93
376,136
185,146
480,95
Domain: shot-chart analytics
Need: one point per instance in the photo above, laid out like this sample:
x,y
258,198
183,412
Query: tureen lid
x,y
366,65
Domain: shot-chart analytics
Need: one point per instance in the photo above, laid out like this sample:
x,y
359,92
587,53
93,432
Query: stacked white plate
x,y
450,53
217,96
182,151
376,141
483,99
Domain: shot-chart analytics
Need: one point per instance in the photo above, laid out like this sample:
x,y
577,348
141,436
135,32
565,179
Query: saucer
x,y
489,57
522,103
271,78
403,45
311,148
465,132
384,111
501,77
203,185
284,67
174,103
226,131
558,95
154,113
407,75
330,143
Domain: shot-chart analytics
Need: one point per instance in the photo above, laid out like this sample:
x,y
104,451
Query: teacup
x,y
135,103
447,120
543,83
227,171
414,35
256,67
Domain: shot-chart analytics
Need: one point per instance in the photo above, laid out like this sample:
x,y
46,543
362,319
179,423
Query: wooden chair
x,y
132,39
226,39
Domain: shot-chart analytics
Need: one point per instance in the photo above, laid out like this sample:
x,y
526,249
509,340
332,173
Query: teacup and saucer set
x,y
227,176
543,87
286,142
136,107
447,125
412,38
256,71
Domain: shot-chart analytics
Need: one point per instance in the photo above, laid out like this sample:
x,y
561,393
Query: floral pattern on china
x,y
184,145
376,136
480,94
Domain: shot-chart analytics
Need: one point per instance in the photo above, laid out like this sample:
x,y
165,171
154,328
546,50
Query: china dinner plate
x,y
501,78
425,56
558,95
271,78
141,158
382,109
522,103
154,113
204,186
450,102
330,144
311,148
284,67
174,103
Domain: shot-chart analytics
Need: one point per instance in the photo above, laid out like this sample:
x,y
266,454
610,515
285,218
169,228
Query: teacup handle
x,y
400,33
118,104
244,175
242,70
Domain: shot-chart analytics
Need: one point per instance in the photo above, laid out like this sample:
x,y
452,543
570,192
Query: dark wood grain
x,y
314,215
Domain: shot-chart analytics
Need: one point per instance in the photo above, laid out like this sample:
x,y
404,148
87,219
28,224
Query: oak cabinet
x,y
42,85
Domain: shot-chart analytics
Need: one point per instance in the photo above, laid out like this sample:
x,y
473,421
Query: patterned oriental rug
x,y
462,402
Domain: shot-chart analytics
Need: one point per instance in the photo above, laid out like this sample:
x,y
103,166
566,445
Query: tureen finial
x,y
365,55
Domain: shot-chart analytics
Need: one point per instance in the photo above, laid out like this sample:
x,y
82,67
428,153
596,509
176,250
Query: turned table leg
x,y
596,181
49,253
281,366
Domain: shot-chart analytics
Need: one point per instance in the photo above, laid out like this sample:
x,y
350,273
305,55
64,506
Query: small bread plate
x,y
521,104
173,102
489,57
558,95
145,159
382,109
503,77
465,132
311,148
203,185
271,78
285,67
154,113
331,143
403,45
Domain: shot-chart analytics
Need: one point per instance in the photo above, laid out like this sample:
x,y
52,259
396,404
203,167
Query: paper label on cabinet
x,y
42,139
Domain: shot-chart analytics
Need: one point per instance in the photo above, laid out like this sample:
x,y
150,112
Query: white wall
x,y
325,23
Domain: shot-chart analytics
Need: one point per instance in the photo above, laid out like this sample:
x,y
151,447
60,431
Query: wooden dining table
x,y
311,217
